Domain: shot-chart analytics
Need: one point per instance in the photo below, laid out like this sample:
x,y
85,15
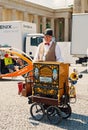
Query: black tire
x,y
54,114
37,111
66,111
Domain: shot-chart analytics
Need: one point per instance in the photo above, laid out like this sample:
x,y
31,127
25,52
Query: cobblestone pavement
x,y
14,109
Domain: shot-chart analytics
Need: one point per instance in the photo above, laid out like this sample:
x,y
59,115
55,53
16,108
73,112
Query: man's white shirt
x,y
46,48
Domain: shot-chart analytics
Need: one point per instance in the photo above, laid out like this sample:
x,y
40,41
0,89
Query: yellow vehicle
x,y
19,62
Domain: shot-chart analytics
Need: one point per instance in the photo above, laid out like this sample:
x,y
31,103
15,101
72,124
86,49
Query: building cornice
x,y
32,8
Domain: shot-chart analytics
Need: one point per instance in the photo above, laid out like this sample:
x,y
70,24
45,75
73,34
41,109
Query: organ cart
x,y
50,91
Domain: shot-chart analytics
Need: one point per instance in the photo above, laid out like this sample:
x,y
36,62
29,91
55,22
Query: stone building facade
x,y
59,20
80,6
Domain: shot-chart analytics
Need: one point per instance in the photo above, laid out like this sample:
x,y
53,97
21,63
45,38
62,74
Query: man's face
x,y
47,38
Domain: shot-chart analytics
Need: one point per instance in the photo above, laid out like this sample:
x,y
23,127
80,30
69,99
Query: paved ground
x,y
14,109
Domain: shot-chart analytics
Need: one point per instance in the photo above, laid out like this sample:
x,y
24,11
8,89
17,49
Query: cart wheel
x,y
37,111
54,114
66,111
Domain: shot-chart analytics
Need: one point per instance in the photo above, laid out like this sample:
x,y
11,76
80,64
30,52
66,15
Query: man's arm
x,y
58,54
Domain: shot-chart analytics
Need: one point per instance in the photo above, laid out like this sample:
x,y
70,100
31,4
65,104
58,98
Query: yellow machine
x,y
50,92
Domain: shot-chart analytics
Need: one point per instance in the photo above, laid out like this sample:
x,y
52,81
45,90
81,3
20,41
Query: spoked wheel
x,y
66,111
37,111
54,114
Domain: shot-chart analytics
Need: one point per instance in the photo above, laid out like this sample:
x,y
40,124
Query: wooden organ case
x,y
50,78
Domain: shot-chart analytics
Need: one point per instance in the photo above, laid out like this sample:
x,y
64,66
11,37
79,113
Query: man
x,y
48,50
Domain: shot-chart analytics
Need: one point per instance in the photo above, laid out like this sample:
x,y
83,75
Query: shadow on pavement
x,y
75,122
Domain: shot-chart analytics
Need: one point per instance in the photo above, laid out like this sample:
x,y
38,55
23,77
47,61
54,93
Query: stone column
x,y
57,29
52,24
66,30
1,13
36,21
25,16
14,14
83,3
77,6
43,24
